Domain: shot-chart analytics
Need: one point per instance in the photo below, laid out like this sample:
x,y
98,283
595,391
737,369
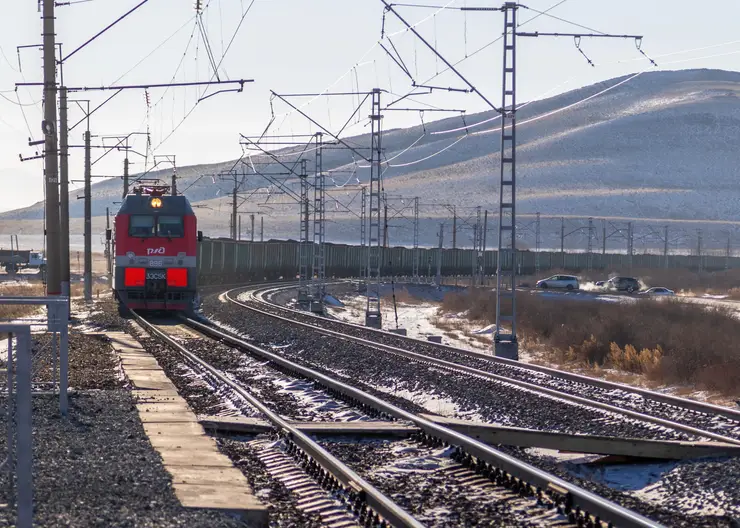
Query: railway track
x,y
687,416
478,465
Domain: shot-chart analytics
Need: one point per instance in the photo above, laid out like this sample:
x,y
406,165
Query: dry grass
x,y
18,311
403,296
667,341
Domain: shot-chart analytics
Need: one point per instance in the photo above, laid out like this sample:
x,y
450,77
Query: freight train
x,y
156,241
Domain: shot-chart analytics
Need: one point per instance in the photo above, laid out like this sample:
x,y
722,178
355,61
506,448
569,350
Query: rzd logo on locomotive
x,y
155,251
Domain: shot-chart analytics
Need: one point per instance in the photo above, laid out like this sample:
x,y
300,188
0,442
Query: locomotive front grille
x,y
156,284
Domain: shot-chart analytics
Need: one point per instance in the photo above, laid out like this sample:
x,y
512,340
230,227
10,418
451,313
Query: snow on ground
x,y
420,321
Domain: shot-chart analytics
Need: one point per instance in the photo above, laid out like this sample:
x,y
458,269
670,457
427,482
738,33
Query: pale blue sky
x,y
306,45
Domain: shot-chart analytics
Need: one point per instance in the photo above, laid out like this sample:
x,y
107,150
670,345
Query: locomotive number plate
x,y
154,263
156,275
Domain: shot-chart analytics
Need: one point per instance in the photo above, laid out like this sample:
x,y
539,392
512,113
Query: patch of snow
x,y
332,301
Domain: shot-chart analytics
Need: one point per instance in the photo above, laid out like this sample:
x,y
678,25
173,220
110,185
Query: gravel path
x,y
97,469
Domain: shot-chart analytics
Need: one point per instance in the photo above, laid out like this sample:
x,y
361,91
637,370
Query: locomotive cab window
x,y
170,226
141,226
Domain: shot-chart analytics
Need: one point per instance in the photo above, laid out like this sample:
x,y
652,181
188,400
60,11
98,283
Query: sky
x,y
310,46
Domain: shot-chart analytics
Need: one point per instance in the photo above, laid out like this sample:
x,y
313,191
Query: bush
x,y
667,340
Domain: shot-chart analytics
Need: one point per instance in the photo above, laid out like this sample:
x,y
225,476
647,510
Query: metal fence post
x,y
63,358
10,410
24,453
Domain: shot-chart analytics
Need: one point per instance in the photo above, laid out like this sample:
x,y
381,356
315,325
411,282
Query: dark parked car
x,y
628,284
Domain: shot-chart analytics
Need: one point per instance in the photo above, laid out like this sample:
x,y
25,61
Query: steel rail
x,y
574,496
378,502
537,389
676,401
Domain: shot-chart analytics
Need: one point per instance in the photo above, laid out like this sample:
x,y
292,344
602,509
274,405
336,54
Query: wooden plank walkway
x,y
202,477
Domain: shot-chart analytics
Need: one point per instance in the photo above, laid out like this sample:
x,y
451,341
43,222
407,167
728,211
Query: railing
x,y
36,346
47,353
19,448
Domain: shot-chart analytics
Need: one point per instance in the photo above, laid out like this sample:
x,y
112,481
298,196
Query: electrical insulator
x,y
198,6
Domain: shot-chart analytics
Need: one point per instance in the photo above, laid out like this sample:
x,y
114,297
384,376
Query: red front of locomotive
x,y
155,246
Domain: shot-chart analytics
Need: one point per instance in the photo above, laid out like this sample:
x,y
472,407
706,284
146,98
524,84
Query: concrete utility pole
x,y
239,235
262,228
699,249
88,220
454,227
415,263
485,229
251,219
439,254
125,173
728,252
51,167
562,242
234,230
603,238
363,234
64,190
590,248
108,254
665,246
537,245
385,222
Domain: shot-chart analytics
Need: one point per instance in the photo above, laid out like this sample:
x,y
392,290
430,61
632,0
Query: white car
x,y
566,282
658,292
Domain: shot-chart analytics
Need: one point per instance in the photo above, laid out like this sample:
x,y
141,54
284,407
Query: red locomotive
x,y
156,240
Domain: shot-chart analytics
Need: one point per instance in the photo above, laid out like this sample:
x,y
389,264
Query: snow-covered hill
x,y
662,145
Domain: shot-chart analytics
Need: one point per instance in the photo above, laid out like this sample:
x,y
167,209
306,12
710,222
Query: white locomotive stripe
x,y
156,262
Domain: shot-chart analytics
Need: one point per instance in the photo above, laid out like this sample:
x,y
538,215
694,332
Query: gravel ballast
x,y
97,468
617,397
367,368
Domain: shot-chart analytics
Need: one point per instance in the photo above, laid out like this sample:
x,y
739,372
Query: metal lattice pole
x,y
416,241
318,285
505,343
304,246
373,315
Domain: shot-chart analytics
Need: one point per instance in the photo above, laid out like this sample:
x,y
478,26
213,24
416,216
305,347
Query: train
x,y
156,242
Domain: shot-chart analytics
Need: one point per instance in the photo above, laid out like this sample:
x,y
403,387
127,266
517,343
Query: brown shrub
x,y
668,340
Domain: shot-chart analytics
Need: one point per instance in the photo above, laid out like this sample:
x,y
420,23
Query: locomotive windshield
x,y
141,226
144,226
170,226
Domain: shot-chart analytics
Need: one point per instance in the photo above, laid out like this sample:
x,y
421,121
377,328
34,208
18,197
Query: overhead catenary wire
x,y
223,56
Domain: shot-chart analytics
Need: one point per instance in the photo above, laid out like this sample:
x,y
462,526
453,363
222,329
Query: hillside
x,y
660,146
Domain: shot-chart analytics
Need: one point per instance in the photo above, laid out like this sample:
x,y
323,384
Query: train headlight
x,y
156,203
